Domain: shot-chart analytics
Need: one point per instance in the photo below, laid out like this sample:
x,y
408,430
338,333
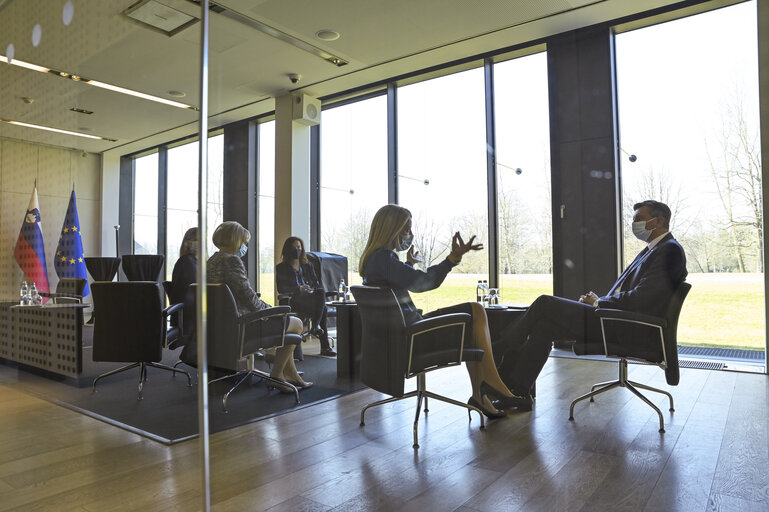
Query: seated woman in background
x,y
380,266
225,266
184,274
295,276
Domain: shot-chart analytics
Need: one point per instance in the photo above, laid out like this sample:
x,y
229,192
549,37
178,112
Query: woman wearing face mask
x,y
380,266
184,274
225,266
295,276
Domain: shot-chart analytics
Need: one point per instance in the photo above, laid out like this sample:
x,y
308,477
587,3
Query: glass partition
x,y
266,215
145,239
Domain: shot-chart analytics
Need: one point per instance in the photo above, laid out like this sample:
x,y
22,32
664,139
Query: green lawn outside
x,y
722,310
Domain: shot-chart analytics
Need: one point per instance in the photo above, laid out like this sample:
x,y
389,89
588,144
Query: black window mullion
x,y
314,242
491,175
163,206
392,143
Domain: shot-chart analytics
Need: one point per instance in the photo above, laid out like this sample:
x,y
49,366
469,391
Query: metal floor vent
x,y
725,353
705,365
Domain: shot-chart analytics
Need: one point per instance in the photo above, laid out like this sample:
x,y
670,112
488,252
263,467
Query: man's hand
x,y
305,288
589,298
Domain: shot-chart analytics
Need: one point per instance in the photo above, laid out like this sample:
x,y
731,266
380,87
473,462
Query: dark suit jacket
x,y
288,282
649,282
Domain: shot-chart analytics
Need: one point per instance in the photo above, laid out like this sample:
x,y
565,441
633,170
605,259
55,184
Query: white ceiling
x,y
379,38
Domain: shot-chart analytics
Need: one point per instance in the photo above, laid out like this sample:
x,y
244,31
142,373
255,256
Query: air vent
x,y
704,365
81,111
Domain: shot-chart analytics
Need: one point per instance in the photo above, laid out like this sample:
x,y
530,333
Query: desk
x,y
47,337
349,327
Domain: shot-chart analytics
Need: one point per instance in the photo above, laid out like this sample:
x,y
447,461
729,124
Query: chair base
x,y
623,382
142,373
243,375
422,393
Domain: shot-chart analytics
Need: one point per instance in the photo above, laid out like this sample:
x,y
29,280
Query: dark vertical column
x,y
392,143
125,210
314,242
240,186
583,158
491,175
163,206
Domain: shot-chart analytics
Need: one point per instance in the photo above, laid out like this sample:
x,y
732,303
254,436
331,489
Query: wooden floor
x,y
714,456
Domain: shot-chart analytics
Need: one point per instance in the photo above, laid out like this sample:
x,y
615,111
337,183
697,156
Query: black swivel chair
x,y
131,327
69,290
229,349
392,352
638,337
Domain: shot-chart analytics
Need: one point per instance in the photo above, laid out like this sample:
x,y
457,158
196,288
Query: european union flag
x,y
69,253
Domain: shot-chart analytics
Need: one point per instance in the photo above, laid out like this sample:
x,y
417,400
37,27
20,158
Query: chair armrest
x,y
253,316
173,308
630,316
437,322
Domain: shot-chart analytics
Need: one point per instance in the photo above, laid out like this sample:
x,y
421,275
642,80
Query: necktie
x,y
636,262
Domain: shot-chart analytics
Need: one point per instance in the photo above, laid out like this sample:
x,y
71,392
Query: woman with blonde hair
x,y
380,266
225,266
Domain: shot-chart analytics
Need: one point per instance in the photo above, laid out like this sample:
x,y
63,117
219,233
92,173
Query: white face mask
x,y
640,231
242,251
405,243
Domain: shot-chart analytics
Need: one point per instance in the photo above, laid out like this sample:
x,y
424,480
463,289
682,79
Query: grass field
x,y
722,310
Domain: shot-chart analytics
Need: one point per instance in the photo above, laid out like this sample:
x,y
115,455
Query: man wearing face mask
x,y
645,286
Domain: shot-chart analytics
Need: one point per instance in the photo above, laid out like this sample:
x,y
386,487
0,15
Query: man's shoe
x,y
328,352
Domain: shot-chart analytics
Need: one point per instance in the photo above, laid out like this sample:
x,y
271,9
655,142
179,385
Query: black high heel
x,y
490,415
520,402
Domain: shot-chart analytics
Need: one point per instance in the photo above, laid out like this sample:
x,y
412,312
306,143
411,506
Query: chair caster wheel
x,y
591,399
571,418
662,431
362,424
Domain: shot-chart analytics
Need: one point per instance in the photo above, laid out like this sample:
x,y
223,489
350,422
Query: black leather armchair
x,y
638,337
132,326
233,339
392,352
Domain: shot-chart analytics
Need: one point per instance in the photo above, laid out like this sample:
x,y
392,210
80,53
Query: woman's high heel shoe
x,y
282,386
301,385
520,402
489,414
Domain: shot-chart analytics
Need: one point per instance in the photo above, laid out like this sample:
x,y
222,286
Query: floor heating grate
x,y
705,365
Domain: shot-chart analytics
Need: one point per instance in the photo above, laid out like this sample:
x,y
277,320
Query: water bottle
x,y
485,292
23,294
479,292
34,297
342,292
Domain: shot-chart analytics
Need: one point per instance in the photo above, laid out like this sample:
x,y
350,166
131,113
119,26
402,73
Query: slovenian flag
x,y
29,252
69,253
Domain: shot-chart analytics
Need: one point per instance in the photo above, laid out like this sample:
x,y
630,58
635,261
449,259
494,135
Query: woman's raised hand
x,y
459,248
413,255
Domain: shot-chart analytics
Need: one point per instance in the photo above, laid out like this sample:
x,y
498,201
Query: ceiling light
x,y
95,83
177,94
57,130
160,17
327,35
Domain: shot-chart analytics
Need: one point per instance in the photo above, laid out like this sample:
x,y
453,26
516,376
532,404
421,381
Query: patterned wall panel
x,y
49,338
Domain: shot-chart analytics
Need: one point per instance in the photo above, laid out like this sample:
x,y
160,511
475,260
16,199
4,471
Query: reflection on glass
x,y
353,176
267,211
703,162
523,178
146,204
442,176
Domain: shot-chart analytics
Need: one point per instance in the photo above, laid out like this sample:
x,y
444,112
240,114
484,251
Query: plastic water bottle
x,y
342,292
479,292
485,292
23,294
34,297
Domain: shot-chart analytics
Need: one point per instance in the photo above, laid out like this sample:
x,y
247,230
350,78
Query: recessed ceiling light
x,y
327,35
57,130
177,94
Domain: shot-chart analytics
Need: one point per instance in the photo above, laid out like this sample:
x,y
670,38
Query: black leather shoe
x,y
328,352
520,402
489,414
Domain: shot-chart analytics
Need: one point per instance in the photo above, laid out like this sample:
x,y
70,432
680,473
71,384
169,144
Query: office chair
x,y
131,327
69,290
392,352
638,337
229,349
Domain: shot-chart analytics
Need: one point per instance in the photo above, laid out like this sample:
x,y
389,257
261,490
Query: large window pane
x,y
442,176
688,105
353,179
267,211
523,178
146,204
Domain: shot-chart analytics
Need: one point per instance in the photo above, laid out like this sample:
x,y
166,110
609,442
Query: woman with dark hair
x,y
295,276
184,274
226,266
380,266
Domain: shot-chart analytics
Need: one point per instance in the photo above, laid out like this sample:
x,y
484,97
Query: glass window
x,y
688,113
442,176
267,211
523,178
353,176
146,204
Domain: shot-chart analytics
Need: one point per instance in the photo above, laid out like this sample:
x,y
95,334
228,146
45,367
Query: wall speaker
x,y
306,109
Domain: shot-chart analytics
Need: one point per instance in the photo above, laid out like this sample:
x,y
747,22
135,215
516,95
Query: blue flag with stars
x,y
69,253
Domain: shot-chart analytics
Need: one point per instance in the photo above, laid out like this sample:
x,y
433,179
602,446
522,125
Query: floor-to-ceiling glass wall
x,y
353,176
523,178
266,213
688,121
145,211
442,176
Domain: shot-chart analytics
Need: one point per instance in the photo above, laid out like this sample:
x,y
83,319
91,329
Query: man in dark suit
x,y
645,286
